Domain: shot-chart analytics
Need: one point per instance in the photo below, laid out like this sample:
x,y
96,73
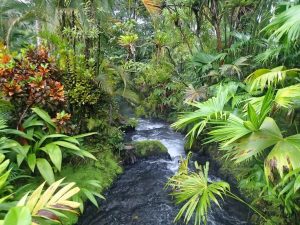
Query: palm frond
x,y
284,156
129,95
235,67
213,108
288,97
153,6
195,94
286,24
262,78
197,193
255,143
229,131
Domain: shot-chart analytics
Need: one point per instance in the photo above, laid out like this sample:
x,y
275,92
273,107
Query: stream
x,y
138,196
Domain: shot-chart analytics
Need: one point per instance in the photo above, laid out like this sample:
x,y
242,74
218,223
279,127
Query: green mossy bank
x,y
105,170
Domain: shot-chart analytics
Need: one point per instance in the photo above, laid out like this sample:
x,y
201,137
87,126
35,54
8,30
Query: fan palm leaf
x,y
288,97
213,108
195,94
197,192
284,156
235,67
286,24
262,78
285,98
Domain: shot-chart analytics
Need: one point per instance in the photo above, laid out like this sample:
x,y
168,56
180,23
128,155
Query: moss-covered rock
x,y
149,148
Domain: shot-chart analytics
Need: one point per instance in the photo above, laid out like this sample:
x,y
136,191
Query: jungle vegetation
x,y
229,69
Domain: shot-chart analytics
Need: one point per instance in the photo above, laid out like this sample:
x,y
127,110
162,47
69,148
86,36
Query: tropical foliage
x,y
229,68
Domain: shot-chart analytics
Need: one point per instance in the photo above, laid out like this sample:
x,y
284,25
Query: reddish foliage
x,y
62,120
5,59
31,80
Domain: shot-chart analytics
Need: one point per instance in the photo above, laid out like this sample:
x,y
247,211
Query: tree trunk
x,y
38,30
219,37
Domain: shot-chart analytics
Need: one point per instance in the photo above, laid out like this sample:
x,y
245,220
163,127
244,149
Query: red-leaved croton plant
x,y
30,80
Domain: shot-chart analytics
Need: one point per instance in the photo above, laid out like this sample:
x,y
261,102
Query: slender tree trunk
x,y
219,36
38,30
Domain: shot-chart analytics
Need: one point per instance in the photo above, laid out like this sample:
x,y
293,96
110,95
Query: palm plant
x,y
197,192
286,25
244,140
195,94
235,67
128,41
287,99
263,78
212,109
203,62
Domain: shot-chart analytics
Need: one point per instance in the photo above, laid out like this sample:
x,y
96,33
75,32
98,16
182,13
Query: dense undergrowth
x,y
66,67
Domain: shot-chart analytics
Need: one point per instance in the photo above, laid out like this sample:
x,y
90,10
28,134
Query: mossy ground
x,y
105,170
149,148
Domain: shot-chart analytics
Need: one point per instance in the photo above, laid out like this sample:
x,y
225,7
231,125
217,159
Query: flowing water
x,y
138,196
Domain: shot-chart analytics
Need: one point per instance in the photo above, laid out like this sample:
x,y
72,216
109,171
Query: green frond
x,y
129,95
286,24
229,131
262,78
196,192
284,156
213,108
254,143
288,97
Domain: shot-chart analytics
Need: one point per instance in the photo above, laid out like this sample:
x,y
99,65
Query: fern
x,y
5,110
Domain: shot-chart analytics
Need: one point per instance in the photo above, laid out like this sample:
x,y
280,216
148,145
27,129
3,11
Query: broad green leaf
x,y
45,170
255,143
67,145
253,117
90,196
297,184
87,154
16,132
50,136
31,122
18,216
84,135
44,115
31,160
23,155
55,154
3,178
284,156
4,165
71,140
